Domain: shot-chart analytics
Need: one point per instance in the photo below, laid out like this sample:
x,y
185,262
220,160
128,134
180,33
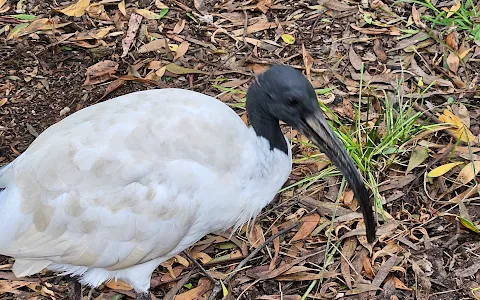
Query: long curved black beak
x,y
319,132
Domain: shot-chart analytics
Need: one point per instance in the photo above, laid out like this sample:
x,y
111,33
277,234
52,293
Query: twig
x,y
198,265
171,294
217,288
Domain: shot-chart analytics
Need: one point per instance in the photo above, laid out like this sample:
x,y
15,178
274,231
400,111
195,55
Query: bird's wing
x,y
121,182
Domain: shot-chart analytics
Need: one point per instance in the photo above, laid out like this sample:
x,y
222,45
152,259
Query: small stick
x,y
202,269
171,294
217,288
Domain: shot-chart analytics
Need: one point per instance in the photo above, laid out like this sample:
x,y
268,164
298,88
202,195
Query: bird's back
x,y
129,180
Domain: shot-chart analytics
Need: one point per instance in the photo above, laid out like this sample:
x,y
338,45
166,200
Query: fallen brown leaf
x,y
309,224
204,284
378,49
101,72
133,26
154,45
347,252
75,10
182,49
453,62
97,11
264,5
276,245
255,236
355,59
179,26
451,40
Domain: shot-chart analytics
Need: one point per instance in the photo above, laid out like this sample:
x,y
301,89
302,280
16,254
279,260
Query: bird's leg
x,y
202,269
143,296
74,289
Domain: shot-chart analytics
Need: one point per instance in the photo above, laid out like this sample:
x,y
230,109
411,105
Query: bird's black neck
x,y
269,128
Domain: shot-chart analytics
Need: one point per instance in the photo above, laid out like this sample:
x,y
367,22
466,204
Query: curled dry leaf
x,y
367,266
309,224
451,40
469,172
378,49
97,11
255,236
461,131
454,8
77,9
101,72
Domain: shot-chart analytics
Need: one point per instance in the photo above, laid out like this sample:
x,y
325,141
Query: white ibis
x,y
115,189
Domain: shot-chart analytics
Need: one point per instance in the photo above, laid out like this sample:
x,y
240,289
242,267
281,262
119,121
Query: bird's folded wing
x,y
119,183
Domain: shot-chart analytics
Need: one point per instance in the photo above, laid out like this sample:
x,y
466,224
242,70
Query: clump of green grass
x,y
465,19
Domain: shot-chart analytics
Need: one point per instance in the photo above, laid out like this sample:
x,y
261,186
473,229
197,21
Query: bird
x,y
116,188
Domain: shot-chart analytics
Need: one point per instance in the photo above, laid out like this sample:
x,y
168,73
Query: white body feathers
x,y
119,187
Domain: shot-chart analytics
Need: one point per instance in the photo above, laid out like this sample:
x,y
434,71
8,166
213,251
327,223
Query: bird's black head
x,y
283,93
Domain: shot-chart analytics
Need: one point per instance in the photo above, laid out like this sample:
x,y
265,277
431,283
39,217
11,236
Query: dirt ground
x,y
42,78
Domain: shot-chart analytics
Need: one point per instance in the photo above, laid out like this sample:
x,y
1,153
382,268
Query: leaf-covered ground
x,y
385,71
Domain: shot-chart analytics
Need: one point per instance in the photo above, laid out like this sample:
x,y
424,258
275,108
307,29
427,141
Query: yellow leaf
x,y
121,7
454,8
469,172
461,131
439,171
77,9
182,260
464,53
173,47
469,225
289,39
224,289
148,14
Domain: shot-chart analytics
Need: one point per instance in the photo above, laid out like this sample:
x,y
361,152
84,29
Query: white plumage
x,y
117,188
